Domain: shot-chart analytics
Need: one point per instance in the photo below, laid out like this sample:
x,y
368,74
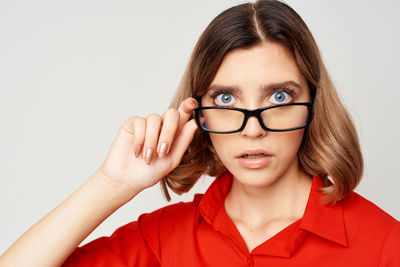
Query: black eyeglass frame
x,y
256,113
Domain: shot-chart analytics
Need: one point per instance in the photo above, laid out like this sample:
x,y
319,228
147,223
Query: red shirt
x,y
354,232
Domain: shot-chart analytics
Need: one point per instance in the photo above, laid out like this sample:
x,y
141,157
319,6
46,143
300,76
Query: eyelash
x,y
218,92
287,90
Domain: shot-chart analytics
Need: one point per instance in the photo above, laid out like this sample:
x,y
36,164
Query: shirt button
x,y
250,261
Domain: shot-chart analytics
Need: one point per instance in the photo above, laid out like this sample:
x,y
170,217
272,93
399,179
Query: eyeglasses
x,y
277,118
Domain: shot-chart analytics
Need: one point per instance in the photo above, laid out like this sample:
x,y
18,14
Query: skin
x,y
280,185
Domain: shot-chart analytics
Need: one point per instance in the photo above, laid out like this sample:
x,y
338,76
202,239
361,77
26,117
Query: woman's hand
x,y
147,149
122,175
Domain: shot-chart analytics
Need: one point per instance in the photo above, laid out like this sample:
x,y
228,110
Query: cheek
x,y
287,144
222,145
218,141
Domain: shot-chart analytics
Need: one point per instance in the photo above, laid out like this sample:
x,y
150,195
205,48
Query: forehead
x,y
257,66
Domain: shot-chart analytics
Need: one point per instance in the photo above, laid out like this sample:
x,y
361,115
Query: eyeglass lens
x,y
277,118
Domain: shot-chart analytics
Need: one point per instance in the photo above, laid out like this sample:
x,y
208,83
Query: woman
x,y
256,108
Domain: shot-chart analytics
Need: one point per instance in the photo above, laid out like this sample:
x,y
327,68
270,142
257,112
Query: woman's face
x,y
261,76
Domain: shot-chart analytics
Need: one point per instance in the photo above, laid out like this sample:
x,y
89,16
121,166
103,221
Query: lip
x,y
253,151
254,163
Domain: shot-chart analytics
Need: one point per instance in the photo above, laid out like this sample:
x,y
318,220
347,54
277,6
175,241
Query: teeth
x,y
254,156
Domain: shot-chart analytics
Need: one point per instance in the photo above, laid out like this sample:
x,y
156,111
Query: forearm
x,y
54,237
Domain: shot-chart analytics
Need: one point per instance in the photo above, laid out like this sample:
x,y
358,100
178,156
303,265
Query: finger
x,y
185,110
139,129
169,127
153,125
182,141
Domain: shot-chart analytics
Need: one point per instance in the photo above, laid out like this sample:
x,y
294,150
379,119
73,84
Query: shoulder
x,y
176,209
366,222
169,223
173,216
371,230
368,212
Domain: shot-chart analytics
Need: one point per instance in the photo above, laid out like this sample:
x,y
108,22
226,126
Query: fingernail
x,y
148,155
163,149
137,150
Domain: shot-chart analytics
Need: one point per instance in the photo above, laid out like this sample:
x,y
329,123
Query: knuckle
x,y
154,117
140,121
131,120
127,123
130,125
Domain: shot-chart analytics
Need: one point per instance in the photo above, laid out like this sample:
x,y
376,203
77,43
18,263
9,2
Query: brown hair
x,y
330,146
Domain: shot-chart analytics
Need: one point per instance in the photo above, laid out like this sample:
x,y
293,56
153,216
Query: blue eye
x,y
280,97
224,99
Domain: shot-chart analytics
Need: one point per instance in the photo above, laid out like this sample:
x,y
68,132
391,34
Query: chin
x,y
262,177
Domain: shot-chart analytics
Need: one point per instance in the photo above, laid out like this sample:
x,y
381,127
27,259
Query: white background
x,y
72,71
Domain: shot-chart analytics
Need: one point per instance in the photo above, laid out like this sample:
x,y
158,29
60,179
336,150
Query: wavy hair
x,y
330,147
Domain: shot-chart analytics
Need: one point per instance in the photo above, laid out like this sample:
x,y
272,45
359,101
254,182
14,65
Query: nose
x,y
253,129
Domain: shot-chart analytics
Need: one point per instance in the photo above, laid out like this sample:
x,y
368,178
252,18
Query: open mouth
x,y
254,156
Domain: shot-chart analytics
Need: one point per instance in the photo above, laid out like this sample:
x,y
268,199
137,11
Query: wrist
x,y
115,191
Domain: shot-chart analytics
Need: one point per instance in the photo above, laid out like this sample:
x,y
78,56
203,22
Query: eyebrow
x,y
235,89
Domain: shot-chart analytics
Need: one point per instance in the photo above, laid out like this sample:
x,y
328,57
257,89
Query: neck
x,y
286,198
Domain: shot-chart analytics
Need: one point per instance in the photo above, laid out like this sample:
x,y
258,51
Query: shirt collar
x,y
322,220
